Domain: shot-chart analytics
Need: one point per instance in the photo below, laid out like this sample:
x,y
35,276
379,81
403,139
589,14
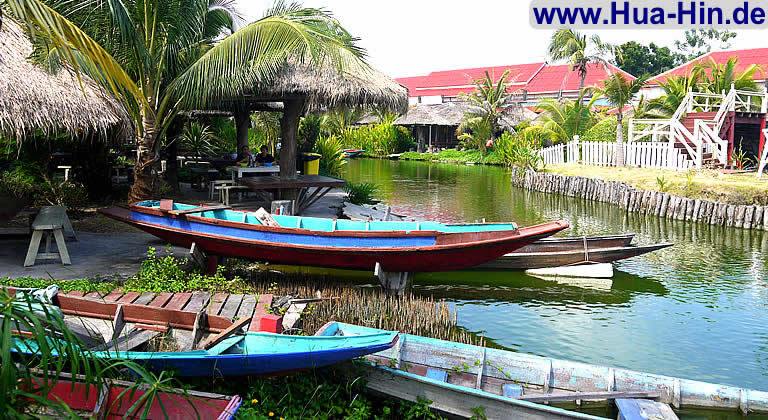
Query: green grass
x,y
455,156
706,184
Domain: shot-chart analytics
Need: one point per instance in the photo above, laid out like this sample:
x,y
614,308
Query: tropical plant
x,y
331,150
160,57
580,51
603,130
474,133
338,120
362,193
198,139
619,91
719,78
486,106
265,130
381,139
518,151
561,120
675,89
310,127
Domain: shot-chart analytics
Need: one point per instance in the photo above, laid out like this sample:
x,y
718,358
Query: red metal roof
x,y
745,59
533,77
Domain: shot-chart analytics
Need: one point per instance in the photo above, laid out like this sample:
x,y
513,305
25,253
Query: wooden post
x,y
393,283
242,124
289,125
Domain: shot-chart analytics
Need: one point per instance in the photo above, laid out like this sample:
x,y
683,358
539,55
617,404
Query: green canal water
x,y
697,310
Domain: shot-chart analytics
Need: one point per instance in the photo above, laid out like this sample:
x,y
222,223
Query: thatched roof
x,y
452,113
33,99
324,87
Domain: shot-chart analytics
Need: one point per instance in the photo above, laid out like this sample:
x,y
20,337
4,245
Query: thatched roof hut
x,y
325,87
452,113
435,124
34,99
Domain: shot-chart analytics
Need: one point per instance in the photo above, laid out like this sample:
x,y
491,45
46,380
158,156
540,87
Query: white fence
x,y
636,154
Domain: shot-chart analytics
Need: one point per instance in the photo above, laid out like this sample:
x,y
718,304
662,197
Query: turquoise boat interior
x,y
339,225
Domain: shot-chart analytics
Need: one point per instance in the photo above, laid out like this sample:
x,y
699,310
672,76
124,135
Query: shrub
x,y
20,182
361,193
170,274
378,139
72,195
604,130
519,151
332,151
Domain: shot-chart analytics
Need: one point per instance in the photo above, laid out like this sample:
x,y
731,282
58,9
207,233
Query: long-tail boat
x,y
113,399
397,246
558,252
457,377
213,346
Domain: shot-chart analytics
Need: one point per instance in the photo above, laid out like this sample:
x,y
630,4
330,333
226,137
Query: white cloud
x,y
413,37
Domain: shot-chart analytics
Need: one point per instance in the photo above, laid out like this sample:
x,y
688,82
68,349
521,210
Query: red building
x,y
530,82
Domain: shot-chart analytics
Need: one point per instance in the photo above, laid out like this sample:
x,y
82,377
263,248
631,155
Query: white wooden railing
x,y
763,158
706,134
638,154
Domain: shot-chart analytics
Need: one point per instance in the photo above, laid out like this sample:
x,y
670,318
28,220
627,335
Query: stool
x,y
219,183
50,221
224,192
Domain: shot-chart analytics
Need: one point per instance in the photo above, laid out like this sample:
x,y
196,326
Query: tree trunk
x,y
242,124
144,176
619,140
172,151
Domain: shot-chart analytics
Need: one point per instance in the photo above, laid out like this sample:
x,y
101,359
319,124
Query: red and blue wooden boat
x,y
114,399
353,153
397,245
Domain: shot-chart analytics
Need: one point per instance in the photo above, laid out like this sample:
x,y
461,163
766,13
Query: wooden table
x,y
238,171
321,185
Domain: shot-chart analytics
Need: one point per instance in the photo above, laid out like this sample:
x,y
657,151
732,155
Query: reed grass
x,y
360,304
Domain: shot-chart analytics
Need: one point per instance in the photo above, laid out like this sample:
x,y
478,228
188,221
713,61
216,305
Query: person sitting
x,y
263,157
246,157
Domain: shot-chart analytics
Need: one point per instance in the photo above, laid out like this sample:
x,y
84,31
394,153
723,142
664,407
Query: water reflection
x,y
695,310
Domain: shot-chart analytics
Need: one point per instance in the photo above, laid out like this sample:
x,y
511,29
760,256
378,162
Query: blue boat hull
x,y
266,354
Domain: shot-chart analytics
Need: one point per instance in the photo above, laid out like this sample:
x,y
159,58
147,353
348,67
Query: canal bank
x,y
696,310
649,202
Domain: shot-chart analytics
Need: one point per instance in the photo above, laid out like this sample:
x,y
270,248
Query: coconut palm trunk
x,y
144,177
619,139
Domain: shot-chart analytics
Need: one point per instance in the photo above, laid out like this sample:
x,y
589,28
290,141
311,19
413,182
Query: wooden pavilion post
x,y
289,127
242,122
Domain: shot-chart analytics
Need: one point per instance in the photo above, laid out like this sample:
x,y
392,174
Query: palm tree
x,y
560,121
619,91
580,51
720,77
160,57
475,131
488,101
675,89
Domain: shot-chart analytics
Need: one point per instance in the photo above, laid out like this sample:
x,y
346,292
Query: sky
x,y
415,37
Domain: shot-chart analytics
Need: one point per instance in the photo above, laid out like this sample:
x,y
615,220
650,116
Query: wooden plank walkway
x,y
232,306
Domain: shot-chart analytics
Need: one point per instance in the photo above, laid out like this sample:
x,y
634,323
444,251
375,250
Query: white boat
x,y
585,270
457,377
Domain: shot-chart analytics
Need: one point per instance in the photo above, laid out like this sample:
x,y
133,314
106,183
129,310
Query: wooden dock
x,y
230,306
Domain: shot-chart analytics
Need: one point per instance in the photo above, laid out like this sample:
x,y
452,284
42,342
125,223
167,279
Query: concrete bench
x,y
50,221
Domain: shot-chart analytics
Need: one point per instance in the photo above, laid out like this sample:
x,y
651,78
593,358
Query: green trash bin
x,y
311,163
